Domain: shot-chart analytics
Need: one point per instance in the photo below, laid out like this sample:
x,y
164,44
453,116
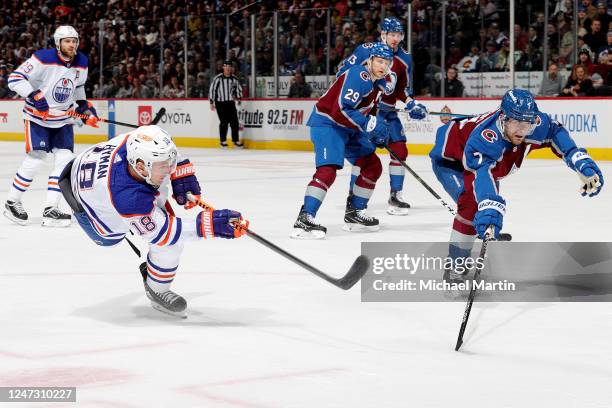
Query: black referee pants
x,y
227,116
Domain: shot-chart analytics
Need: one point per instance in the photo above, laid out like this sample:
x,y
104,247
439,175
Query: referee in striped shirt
x,y
224,91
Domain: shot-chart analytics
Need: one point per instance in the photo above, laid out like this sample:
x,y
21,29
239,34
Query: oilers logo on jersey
x,y
62,90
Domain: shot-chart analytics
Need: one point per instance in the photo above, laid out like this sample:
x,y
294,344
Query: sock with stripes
x,y
25,175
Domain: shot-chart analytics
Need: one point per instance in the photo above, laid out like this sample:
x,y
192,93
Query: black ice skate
x,y
357,220
223,145
456,280
239,145
397,205
14,211
305,227
54,217
167,302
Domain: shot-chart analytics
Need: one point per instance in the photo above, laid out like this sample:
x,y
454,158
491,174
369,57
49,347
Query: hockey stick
x,y
73,114
420,180
468,308
355,273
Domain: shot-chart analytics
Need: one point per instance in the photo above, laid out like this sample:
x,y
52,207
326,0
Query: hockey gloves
x,y
377,131
590,176
37,98
183,181
416,110
221,224
491,211
86,108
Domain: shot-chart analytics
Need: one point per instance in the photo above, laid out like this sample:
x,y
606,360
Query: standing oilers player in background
x,y
399,89
50,81
122,184
471,155
340,128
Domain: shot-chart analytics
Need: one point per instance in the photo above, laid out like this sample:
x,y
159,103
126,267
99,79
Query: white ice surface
x,y
262,332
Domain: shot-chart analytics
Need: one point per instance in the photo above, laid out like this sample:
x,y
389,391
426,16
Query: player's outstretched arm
x,y
578,159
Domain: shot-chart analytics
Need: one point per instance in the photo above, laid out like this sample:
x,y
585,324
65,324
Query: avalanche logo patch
x,y
489,135
538,121
365,76
62,90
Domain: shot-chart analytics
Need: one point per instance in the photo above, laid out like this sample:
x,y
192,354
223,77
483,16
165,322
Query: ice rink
x,y
262,332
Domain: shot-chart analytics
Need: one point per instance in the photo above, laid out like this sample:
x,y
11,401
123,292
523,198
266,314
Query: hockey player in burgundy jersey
x,y
340,128
399,88
122,184
470,157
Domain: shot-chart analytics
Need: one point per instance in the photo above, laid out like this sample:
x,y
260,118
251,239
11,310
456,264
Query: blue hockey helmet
x,y
381,50
519,104
391,25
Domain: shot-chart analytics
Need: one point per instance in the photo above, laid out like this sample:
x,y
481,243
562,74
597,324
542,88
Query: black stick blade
x,y
158,116
458,345
358,269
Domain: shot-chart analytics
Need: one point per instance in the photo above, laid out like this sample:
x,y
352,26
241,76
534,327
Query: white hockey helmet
x,y
62,32
150,144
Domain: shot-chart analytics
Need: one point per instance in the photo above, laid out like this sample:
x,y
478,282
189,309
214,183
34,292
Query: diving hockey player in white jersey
x,y
122,184
50,81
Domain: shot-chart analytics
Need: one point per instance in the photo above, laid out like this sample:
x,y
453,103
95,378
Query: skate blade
x,y
50,222
162,309
360,228
392,210
301,234
16,220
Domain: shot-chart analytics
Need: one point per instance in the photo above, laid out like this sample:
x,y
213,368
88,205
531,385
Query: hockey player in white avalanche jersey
x,y
122,184
51,80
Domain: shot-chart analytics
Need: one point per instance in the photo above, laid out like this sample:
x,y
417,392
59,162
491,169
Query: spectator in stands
x,y
520,37
603,16
470,61
551,81
579,83
140,91
453,87
596,39
488,59
590,9
454,54
488,11
173,89
584,59
503,55
299,88
125,89
200,90
496,35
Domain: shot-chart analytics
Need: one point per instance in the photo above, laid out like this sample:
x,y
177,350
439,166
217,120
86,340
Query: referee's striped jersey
x,y
224,89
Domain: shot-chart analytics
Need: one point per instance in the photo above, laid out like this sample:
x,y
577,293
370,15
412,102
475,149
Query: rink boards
x,y
280,124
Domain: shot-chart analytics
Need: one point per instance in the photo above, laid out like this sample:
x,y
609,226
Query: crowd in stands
x,y
139,34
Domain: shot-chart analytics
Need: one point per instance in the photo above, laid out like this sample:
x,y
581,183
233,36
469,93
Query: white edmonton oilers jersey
x,y
116,202
62,83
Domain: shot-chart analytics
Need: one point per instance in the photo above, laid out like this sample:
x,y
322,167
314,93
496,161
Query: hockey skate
x,y
167,302
356,220
397,205
223,145
54,217
305,227
14,211
455,278
239,145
